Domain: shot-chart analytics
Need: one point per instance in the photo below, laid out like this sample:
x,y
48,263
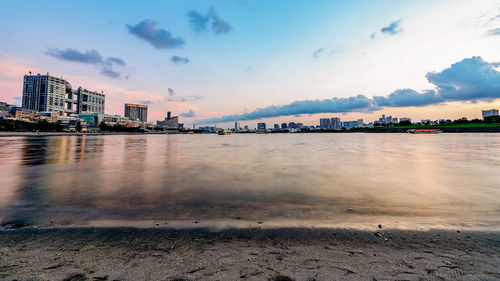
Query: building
x,y
335,123
284,126
325,123
490,112
89,101
46,93
96,119
261,126
235,126
276,126
9,108
403,119
170,122
293,125
136,112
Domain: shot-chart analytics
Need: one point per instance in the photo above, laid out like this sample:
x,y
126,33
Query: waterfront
x,y
405,181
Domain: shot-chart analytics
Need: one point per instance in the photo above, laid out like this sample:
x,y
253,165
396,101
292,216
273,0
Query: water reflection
x,y
282,179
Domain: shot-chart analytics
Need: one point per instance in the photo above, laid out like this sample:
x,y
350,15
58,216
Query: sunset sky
x,y
273,61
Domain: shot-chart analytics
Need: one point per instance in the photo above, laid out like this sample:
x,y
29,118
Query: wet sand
x,y
247,254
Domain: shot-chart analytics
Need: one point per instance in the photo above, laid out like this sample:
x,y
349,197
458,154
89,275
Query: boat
x,y
424,131
221,132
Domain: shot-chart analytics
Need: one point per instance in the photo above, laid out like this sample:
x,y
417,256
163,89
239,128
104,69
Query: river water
x,y
275,180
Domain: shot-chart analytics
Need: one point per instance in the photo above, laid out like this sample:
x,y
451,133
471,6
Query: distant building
x,y
490,112
45,93
96,119
325,123
361,124
402,119
208,129
235,126
9,108
284,126
136,112
261,126
293,125
170,122
335,123
276,126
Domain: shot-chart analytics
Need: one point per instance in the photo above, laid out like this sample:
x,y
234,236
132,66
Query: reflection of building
x,y
136,112
51,94
170,122
261,126
491,112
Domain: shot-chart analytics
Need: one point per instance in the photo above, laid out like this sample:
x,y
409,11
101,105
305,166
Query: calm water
x,y
355,180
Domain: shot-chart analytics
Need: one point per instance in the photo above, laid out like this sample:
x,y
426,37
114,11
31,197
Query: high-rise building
x,y
171,122
136,112
325,123
335,123
235,126
261,126
47,93
284,126
490,112
276,126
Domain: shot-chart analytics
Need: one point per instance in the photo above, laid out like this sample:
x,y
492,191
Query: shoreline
x,y
471,130
128,253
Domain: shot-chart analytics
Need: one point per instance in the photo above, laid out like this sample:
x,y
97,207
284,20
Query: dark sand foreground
x,y
247,254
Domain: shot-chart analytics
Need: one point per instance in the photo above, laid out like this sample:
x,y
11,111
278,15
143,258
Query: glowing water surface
x,y
314,180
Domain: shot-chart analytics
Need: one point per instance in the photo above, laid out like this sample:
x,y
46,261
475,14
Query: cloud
x,y
188,114
493,32
145,102
197,21
171,92
317,53
219,26
89,57
471,79
196,97
357,103
408,97
393,28
177,60
148,31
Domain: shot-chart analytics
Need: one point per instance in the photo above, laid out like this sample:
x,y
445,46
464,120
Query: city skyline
x,y
207,60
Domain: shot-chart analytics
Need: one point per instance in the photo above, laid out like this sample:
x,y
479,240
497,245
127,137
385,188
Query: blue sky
x,y
255,55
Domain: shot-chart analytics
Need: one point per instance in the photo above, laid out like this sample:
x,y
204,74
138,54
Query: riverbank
x,y
46,134
247,254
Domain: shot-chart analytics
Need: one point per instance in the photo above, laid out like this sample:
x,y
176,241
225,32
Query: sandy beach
x,y
247,254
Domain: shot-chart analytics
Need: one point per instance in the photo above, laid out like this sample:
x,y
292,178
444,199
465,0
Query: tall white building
x,y
47,93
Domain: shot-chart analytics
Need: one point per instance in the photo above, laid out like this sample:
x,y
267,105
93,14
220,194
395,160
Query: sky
x,y
217,62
